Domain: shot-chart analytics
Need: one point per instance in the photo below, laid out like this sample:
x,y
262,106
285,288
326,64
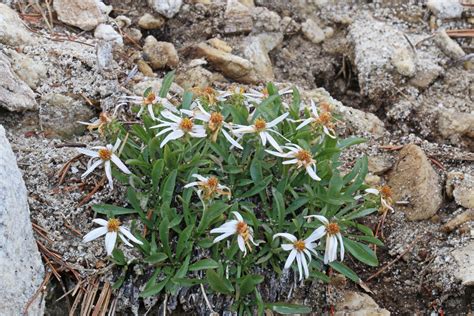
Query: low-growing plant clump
x,y
228,184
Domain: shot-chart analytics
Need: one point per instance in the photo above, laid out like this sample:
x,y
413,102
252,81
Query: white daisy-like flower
x,y
149,102
386,197
298,249
263,129
333,233
111,229
209,186
236,227
178,127
215,123
223,95
299,156
324,119
104,156
255,96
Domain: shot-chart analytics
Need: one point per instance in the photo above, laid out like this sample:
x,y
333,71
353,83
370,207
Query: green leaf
x,y
279,205
247,284
166,84
258,187
360,213
187,100
286,309
167,189
156,258
186,282
164,236
345,270
361,252
157,172
218,283
214,211
112,210
204,264
183,241
154,289
147,92
350,141
118,257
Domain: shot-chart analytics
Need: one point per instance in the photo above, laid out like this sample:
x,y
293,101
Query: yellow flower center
x,y
325,107
304,157
105,154
332,228
149,99
186,124
260,124
113,225
265,92
299,245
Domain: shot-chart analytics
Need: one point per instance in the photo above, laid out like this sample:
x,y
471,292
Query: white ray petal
x,y
91,168
110,239
304,123
88,152
339,236
372,191
238,216
241,243
273,142
166,130
94,234
172,136
290,237
100,221
290,162
321,218
287,247
263,137
277,120
108,173
221,237
291,258
125,241
305,266
312,173
317,234
116,160
129,235
231,140
300,268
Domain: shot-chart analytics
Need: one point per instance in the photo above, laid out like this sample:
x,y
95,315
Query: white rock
x,y
15,95
21,269
449,46
404,62
150,22
167,8
84,14
32,72
359,304
12,30
445,9
313,31
465,259
107,33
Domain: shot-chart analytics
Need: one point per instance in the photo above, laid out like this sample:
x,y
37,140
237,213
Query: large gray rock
x,y
256,50
21,269
465,259
12,30
15,95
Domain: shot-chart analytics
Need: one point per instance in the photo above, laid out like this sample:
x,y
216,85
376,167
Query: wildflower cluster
x,y
227,184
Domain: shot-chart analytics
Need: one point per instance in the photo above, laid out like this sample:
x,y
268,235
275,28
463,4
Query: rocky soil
x,y
397,72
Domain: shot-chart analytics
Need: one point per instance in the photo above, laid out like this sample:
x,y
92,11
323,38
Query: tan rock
x,y
84,14
151,22
404,62
449,46
379,164
231,66
452,124
237,18
220,44
313,31
195,77
160,54
256,50
359,304
414,179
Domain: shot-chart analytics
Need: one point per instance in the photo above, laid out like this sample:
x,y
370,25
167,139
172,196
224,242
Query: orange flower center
x,y
149,98
105,154
325,118
332,228
265,92
216,118
299,245
304,157
186,124
242,228
113,225
260,124
103,118
212,183
386,191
